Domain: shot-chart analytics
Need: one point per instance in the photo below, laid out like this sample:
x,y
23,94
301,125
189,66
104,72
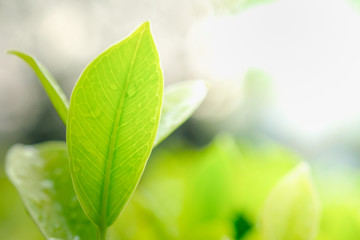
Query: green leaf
x,y
49,83
41,175
180,102
292,209
112,123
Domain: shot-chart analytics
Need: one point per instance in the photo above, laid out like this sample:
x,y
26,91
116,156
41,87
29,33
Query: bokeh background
x,y
284,81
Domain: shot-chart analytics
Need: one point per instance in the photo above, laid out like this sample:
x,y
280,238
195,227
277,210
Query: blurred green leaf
x,y
52,88
258,168
180,102
13,215
41,175
112,123
208,209
291,211
211,186
197,194
340,201
157,202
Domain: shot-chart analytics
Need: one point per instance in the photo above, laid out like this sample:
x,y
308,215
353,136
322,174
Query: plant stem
x,y
101,233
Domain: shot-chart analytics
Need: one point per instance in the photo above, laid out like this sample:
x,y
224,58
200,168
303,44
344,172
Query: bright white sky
x,y
311,48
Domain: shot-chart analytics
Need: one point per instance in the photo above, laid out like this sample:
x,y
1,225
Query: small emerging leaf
x,y
49,83
292,210
112,123
180,101
41,175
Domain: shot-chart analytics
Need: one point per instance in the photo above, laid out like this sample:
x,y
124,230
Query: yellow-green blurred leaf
x,y
291,211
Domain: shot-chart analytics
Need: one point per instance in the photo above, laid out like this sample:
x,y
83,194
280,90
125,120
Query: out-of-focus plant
x,y
165,205
113,122
292,210
219,192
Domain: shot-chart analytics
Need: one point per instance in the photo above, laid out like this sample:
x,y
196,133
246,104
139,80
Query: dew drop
x,y
58,171
76,237
47,184
38,200
57,226
151,120
97,112
74,202
131,90
77,169
113,86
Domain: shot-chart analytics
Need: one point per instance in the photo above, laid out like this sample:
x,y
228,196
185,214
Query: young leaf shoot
x,y
112,123
52,88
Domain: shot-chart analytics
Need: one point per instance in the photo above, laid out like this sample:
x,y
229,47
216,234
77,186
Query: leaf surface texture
x,y
41,175
112,123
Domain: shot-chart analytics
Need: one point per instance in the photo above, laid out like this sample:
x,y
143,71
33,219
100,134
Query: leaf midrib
x,y
110,154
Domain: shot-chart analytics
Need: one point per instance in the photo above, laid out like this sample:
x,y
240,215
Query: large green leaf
x,y
49,83
180,101
292,209
41,175
112,123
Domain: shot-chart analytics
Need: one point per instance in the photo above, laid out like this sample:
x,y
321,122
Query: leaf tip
x,y
10,51
146,25
206,84
16,53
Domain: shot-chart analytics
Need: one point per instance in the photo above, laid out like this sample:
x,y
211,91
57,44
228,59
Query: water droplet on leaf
x,y
113,86
131,90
